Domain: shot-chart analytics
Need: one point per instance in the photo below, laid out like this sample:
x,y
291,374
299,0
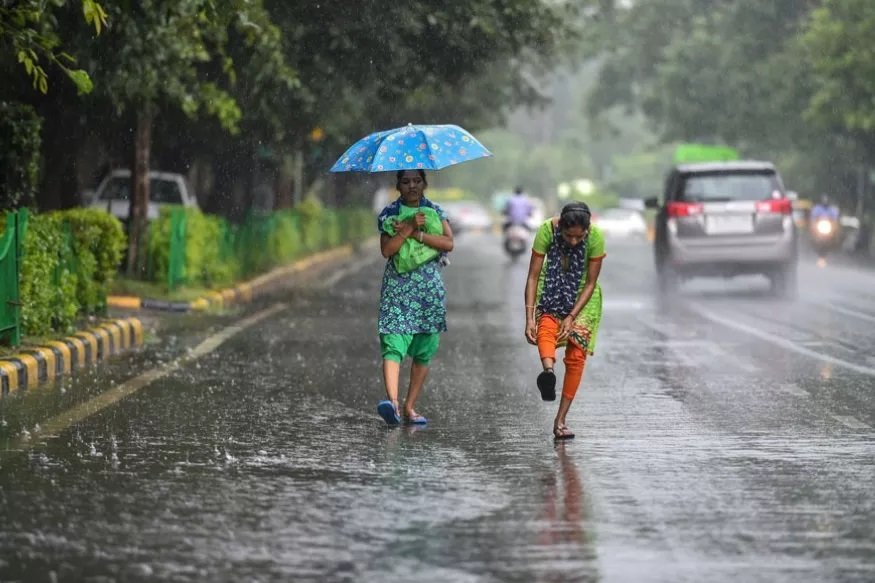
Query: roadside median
x,y
34,365
238,294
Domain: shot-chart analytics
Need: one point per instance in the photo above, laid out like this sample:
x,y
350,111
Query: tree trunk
x,y
140,188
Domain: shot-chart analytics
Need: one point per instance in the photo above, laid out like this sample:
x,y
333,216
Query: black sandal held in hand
x,y
547,385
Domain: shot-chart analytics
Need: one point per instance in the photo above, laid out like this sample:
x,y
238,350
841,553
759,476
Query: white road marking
x,y
341,273
782,342
851,422
852,313
846,311
84,410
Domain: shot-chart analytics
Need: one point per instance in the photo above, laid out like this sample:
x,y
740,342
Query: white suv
x,y
114,193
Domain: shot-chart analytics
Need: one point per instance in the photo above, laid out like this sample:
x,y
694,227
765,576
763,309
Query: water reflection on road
x,y
733,451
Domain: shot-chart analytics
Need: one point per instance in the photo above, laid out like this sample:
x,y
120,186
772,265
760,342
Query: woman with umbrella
x,y
412,298
415,237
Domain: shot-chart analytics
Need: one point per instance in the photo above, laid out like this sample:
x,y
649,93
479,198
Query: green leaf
x,y
83,82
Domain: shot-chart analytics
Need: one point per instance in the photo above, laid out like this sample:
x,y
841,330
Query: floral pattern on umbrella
x,y
412,147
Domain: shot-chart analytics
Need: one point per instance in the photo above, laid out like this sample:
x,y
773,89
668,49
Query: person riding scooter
x,y
824,227
517,212
518,209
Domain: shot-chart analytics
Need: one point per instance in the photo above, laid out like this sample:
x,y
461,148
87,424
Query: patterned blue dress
x,y
412,302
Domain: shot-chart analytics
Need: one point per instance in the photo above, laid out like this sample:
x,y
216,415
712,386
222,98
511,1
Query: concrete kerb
x,y
36,365
240,293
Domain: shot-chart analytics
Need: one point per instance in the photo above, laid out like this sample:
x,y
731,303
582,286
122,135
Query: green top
x,y
590,316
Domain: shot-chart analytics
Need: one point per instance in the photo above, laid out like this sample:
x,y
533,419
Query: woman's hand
x,y
419,220
565,327
405,228
531,331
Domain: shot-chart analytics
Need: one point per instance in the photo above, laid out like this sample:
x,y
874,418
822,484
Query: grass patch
x,y
122,286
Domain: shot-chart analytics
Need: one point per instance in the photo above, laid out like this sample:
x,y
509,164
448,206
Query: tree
x,y
387,63
173,53
836,41
29,29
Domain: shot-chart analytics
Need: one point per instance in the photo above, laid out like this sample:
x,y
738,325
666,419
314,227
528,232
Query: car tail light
x,y
777,206
685,209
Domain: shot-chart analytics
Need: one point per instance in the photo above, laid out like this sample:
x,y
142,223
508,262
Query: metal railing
x,y
11,242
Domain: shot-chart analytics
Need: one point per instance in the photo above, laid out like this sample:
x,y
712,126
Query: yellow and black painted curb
x,y
239,294
36,365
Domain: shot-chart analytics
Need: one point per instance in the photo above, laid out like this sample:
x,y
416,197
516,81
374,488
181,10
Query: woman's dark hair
x,y
400,173
575,214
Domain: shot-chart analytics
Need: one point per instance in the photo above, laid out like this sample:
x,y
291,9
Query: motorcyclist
x,y
518,209
823,223
824,210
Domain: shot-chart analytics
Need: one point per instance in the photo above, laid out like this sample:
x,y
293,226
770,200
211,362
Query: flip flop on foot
x,y
388,412
547,385
562,432
415,419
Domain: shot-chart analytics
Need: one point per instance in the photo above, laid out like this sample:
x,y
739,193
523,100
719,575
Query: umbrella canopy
x,y
412,147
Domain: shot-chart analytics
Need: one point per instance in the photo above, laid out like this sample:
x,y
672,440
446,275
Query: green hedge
x,y
99,244
218,253
206,262
69,260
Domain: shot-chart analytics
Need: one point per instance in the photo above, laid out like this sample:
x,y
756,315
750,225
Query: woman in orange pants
x,y
564,301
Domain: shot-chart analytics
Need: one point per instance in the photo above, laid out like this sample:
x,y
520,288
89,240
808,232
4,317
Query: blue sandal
x,y
388,412
415,419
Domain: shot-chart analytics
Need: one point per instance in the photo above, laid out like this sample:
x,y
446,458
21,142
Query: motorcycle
x,y
516,241
824,236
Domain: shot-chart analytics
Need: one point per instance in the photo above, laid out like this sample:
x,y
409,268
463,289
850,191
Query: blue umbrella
x,y
412,147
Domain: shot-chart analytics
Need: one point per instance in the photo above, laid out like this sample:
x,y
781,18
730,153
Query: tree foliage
x,y
28,28
788,80
837,42
239,86
19,155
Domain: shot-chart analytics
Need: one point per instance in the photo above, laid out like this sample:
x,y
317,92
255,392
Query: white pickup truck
x,y
114,193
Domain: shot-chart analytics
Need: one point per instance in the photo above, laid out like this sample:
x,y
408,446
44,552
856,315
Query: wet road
x,y
722,436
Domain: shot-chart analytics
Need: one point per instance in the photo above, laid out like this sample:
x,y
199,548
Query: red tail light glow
x,y
777,206
684,209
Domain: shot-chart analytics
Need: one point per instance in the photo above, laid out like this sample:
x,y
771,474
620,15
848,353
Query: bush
x,y
48,284
217,253
284,239
203,250
206,262
69,260
99,244
310,212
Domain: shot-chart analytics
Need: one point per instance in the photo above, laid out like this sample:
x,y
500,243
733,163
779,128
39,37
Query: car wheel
x,y
785,282
667,280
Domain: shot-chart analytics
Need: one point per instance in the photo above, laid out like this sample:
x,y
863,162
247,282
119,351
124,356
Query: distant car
x,y
620,222
725,219
467,216
165,188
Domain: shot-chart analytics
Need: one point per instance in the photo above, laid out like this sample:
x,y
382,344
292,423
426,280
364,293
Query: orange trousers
x,y
575,357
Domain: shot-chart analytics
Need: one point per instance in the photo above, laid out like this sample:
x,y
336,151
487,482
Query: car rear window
x,y
117,189
164,191
727,186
